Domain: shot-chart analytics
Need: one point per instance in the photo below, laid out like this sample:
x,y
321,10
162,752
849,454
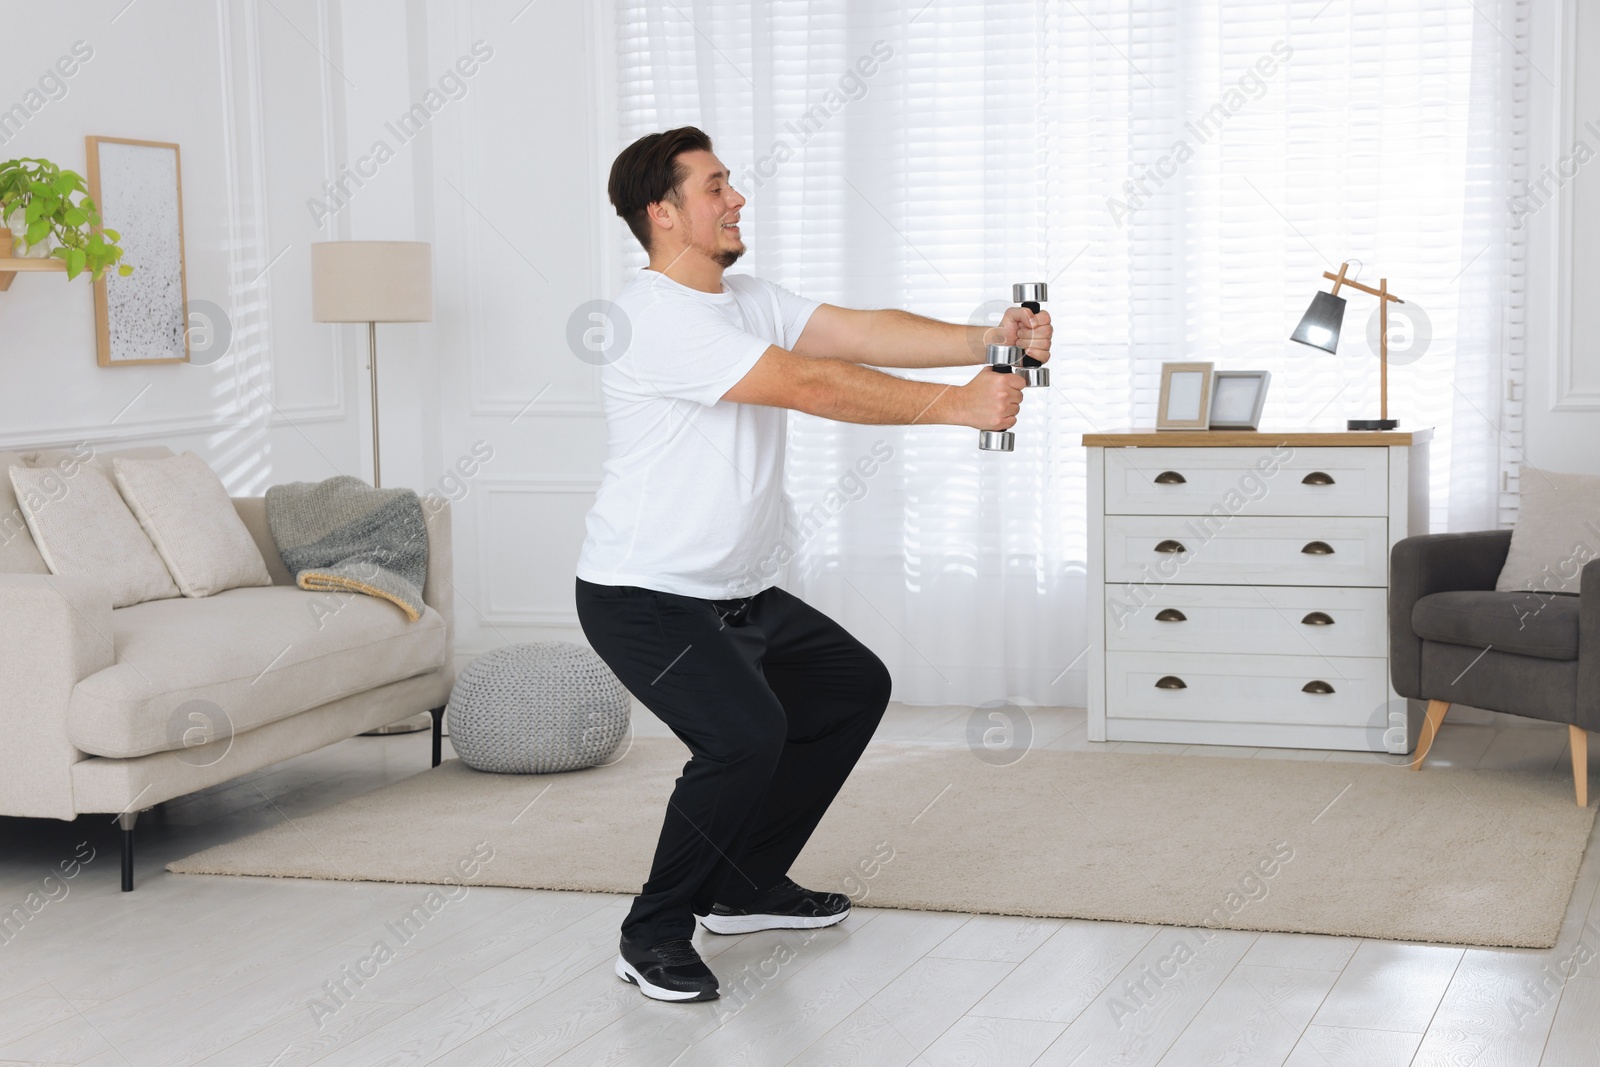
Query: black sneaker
x,y
671,970
785,906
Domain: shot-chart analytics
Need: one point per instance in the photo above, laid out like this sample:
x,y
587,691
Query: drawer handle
x,y
1170,478
1314,548
1317,478
1171,615
1318,686
1318,618
1170,681
1171,546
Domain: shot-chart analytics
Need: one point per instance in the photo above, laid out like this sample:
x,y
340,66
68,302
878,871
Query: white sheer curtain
x,y
1181,173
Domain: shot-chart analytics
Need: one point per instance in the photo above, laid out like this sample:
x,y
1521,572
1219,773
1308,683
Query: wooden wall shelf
x,y
11,266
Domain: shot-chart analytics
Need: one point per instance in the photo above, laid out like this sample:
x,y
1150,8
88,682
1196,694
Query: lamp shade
x,y
1319,326
371,281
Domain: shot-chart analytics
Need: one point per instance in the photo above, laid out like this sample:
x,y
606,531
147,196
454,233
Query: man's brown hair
x,y
648,171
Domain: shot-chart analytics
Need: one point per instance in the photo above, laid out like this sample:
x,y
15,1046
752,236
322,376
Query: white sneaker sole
x,y
749,924
626,972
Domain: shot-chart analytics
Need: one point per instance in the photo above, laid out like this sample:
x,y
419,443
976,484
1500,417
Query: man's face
x,y
709,213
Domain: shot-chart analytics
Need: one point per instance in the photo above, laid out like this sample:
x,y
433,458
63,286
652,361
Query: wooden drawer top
x,y
1148,438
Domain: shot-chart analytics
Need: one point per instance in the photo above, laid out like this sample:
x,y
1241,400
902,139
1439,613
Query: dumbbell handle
x,y
1033,306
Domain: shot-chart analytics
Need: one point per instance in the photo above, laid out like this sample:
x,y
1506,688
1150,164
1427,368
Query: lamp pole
x,y
372,366
1383,349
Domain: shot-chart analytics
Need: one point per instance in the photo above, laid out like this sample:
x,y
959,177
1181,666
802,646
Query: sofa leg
x,y
1430,730
438,734
126,821
1580,764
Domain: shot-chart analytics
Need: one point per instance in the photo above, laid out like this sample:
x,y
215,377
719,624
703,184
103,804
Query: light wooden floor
x,y
224,971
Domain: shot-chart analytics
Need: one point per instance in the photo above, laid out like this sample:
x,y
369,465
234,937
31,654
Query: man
x,y
774,700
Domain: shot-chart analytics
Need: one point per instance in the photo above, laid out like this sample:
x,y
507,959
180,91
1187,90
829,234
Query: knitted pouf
x,y
536,709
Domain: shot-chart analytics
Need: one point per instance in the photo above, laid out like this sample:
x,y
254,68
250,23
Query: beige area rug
x,y
1462,856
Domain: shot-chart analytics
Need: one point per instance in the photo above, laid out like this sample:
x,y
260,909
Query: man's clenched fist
x,y
991,400
1028,329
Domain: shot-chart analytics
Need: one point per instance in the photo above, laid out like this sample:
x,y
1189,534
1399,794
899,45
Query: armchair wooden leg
x,y
1430,730
1580,764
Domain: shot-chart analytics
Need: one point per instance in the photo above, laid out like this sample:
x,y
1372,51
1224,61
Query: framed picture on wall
x,y
138,188
1185,397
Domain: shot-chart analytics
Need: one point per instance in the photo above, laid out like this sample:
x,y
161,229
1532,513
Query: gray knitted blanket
x,y
345,536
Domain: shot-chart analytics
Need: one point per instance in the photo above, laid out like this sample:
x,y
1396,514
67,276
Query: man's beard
x,y
722,257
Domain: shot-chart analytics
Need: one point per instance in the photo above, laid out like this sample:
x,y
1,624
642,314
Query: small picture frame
x,y
1185,397
1237,397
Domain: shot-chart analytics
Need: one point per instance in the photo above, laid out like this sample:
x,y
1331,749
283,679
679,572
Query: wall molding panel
x,y
259,249
1569,392
500,605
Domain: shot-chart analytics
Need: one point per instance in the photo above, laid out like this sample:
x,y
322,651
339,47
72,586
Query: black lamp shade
x,y
1319,326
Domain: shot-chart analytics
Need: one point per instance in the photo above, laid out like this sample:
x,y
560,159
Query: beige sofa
x,y
113,711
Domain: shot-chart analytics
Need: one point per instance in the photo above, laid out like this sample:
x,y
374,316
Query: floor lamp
x,y
373,282
1319,328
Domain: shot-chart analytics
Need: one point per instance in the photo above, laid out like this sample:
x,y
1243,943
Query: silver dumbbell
x,y
1012,359
1030,295
1006,359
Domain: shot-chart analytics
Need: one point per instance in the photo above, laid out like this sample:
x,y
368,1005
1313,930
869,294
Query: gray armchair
x,y
1452,638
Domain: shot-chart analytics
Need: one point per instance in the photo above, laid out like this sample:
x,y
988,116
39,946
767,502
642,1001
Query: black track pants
x,y
775,702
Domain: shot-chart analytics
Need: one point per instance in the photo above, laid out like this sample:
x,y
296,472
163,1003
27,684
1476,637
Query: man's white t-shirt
x,y
691,500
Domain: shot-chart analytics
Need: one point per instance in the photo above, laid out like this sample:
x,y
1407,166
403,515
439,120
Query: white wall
x,y
516,201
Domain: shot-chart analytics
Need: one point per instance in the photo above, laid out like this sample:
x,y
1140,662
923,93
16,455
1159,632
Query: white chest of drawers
x,y
1238,586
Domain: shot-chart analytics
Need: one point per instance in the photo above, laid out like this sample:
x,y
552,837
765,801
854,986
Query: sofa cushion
x,y
1524,624
254,655
1557,531
18,553
184,509
83,529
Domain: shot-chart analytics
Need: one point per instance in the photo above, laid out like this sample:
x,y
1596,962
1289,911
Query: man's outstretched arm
x,y
840,390
900,339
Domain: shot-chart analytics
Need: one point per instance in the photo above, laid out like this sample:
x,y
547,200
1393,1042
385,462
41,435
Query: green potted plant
x,y
49,213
